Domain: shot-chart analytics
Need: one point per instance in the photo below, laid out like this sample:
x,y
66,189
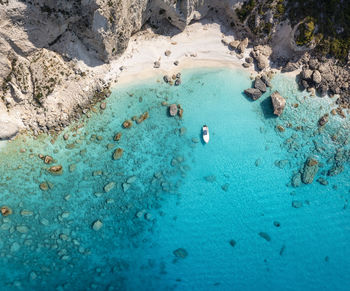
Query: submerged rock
x,y
232,242
56,170
253,93
278,102
265,236
117,136
323,120
44,186
97,225
296,180
297,204
109,187
180,253
127,123
48,159
210,179
6,211
310,170
118,153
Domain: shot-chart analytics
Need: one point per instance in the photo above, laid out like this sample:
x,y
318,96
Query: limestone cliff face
x,y
43,41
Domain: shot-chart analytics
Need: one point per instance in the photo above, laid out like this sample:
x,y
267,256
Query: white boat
x,y
205,133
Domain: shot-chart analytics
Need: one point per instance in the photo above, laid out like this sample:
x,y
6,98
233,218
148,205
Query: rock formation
x,y
278,102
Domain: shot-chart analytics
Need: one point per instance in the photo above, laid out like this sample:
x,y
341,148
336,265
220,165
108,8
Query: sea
x,y
171,212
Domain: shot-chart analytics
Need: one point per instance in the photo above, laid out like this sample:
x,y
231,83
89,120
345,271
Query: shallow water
x,y
185,194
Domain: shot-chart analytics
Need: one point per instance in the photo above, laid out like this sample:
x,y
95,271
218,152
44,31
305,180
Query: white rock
x,y
109,187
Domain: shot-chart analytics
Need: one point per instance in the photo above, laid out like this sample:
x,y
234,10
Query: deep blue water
x,y
181,193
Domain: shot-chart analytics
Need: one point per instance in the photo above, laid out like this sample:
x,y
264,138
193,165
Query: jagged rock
x,y
313,64
173,110
234,44
259,84
167,53
323,120
278,102
316,77
289,67
56,170
243,45
310,170
44,186
266,80
253,93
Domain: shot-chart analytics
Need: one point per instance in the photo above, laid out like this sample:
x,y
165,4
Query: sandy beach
x,y
199,45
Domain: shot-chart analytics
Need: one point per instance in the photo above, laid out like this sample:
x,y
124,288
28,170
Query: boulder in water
x,y
259,84
127,123
56,170
278,102
253,93
173,109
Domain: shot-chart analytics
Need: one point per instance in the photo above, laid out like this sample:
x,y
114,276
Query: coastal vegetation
x,y
326,22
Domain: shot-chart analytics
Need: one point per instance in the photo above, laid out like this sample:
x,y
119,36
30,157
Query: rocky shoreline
x,y
53,75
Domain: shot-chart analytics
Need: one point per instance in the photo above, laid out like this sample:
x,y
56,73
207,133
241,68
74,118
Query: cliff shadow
x,y
267,108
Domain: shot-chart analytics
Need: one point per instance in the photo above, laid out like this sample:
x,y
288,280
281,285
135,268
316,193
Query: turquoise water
x,y
172,191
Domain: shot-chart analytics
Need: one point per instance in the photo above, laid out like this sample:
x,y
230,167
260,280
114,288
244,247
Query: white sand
x,y
199,45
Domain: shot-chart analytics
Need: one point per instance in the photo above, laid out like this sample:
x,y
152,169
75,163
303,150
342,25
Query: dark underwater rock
x,y
265,236
259,84
180,253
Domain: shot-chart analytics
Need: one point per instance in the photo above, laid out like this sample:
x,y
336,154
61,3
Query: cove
x,y
180,214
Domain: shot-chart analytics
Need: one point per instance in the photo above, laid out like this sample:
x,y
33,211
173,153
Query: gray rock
x,y
310,170
306,74
173,110
259,84
266,80
289,67
253,93
156,64
278,102
8,130
131,179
